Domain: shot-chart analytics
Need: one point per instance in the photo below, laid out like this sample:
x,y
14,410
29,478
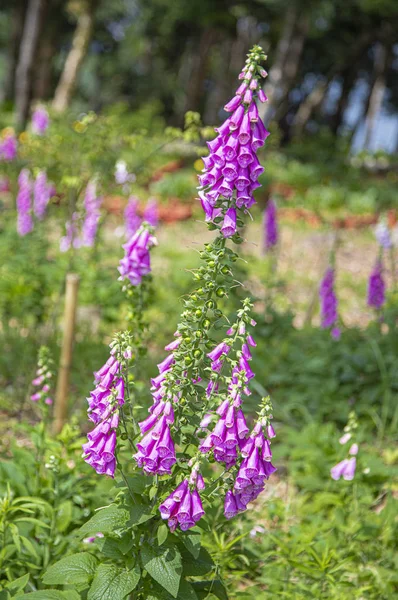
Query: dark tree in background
x,y
181,56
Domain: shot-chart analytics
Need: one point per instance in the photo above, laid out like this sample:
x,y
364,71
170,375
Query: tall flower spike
x,y
151,212
329,303
92,204
136,262
383,235
42,193
8,147
270,225
232,168
255,466
40,120
104,403
376,286
24,208
132,220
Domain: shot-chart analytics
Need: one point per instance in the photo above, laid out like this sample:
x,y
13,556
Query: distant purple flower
x,y
328,302
42,192
136,261
345,468
376,287
151,213
24,203
383,236
132,220
92,205
122,176
40,121
71,238
104,402
8,148
270,225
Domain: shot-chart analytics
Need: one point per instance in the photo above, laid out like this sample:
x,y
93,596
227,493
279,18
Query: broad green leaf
x,y
18,584
113,583
162,533
163,565
192,543
139,514
4,595
106,520
77,568
198,566
64,516
214,587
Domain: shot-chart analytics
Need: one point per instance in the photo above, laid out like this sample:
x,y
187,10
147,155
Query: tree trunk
x,y
17,23
74,60
287,59
377,91
349,78
198,71
310,105
23,75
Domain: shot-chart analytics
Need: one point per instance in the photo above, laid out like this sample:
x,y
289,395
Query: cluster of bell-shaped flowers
x,y
104,402
183,508
136,262
156,452
230,432
232,169
254,470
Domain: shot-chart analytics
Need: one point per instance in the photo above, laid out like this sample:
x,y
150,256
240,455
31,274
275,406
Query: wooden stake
x,y
61,396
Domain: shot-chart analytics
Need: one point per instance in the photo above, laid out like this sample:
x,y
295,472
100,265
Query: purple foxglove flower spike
x,y
328,301
151,212
24,219
132,220
40,121
41,195
270,226
8,148
376,287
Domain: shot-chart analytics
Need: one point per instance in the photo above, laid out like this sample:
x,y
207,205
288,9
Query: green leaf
x,y
32,520
64,516
214,587
46,595
77,568
113,583
4,595
29,546
199,566
162,533
106,520
18,584
163,565
139,514
15,536
192,543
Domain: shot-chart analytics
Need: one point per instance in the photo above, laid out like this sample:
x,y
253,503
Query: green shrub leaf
x,y
113,583
77,568
164,566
